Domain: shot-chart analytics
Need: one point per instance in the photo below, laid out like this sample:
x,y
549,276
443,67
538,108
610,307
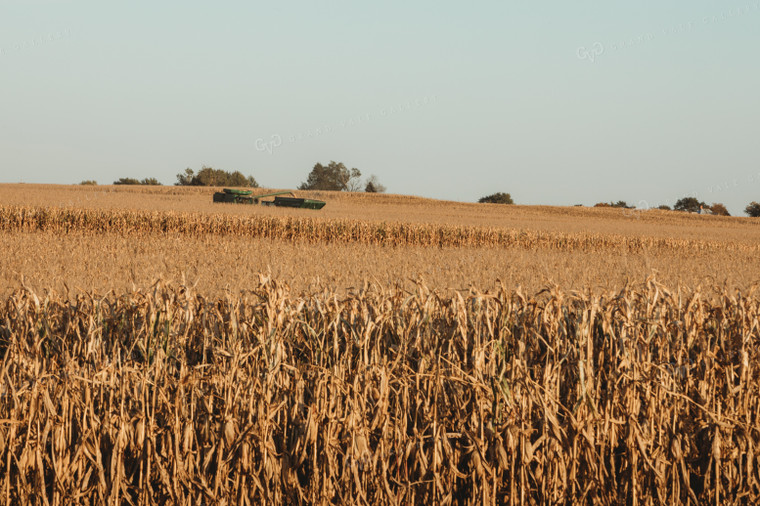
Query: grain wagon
x,y
232,196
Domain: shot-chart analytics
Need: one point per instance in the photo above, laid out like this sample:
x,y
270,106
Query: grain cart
x,y
246,197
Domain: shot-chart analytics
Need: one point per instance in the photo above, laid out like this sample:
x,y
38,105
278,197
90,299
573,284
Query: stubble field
x,y
387,349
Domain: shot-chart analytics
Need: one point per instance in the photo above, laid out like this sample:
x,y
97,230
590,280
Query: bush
x,y
664,207
753,209
209,176
150,181
373,185
719,209
497,198
620,203
127,180
89,182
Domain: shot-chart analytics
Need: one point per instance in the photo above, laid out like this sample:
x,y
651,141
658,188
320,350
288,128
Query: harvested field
x,y
645,396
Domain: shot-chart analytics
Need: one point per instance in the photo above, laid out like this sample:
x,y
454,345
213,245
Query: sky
x,y
555,103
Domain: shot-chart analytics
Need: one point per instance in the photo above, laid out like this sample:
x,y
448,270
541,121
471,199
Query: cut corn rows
x,y
383,397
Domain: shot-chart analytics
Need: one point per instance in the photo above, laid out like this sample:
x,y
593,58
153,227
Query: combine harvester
x,y
247,197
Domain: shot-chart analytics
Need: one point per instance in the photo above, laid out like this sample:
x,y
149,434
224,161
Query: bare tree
x,y
354,183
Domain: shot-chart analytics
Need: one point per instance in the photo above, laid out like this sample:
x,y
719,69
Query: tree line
x,y
692,205
331,177
335,176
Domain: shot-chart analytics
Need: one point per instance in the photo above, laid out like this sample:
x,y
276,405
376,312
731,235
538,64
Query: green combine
x,y
232,196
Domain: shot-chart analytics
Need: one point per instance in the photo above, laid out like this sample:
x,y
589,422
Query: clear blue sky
x,y
556,103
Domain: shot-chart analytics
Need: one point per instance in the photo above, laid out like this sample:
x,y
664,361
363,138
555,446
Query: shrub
x,y
127,180
373,185
753,209
719,209
620,203
497,198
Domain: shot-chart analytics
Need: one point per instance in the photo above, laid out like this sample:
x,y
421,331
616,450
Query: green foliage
x,y
127,180
150,181
373,185
689,204
186,178
89,182
209,176
719,209
333,176
497,198
753,209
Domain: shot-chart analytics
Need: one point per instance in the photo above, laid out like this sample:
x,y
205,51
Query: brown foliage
x,y
719,209
315,230
382,397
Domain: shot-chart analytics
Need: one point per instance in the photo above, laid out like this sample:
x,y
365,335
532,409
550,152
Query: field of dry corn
x,y
103,238
156,348
644,396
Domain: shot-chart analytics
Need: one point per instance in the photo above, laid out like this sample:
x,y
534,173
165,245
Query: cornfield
x,y
314,230
382,396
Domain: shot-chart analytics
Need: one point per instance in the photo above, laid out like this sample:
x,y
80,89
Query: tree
x,y
373,185
186,178
497,198
664,207
209,176
719,209
127,180
753,209
689,204
150,181
89,182
334,176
